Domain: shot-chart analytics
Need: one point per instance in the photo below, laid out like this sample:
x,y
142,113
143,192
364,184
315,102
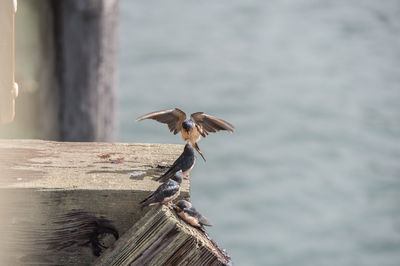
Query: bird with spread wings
x,y
198,125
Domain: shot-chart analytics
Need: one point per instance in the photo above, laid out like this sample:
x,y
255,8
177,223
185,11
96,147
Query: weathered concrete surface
x,y
55,195
162,238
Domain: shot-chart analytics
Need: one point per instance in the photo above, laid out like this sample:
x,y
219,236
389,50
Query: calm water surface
x,y
312,174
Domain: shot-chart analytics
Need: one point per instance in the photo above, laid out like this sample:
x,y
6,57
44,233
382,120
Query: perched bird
x,y
166,192
185,162
189,214
199,124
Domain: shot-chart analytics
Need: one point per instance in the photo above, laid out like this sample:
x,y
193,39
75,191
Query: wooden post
x,y
8,87
162,238
57,199
86,62
66,67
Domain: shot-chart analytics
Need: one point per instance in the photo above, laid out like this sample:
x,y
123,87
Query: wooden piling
x,y
8,87
66,68
162,238
85,34
58,198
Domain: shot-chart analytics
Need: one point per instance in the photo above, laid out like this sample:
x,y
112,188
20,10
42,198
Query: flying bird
x,y
198,125
189,214
185,162
165,193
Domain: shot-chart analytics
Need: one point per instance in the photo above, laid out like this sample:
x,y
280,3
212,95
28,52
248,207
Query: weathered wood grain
x,y
56,196
162,238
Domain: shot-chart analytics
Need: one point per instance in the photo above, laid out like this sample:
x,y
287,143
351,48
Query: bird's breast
x,y
185,135
187,172
193,136
190,219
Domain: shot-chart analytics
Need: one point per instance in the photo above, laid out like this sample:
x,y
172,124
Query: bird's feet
x,y
170,205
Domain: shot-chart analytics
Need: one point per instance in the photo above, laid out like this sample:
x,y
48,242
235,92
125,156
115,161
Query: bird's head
x,y
188,125
182,204
178,177
188,150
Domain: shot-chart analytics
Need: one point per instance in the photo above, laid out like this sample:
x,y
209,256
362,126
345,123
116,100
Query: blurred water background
x,y
312,174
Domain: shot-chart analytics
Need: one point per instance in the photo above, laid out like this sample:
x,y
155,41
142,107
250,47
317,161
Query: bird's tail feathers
x,y
204,221
146,202
169,174
198,150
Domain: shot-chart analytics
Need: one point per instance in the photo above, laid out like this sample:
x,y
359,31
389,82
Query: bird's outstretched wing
x,y
208,123
173,118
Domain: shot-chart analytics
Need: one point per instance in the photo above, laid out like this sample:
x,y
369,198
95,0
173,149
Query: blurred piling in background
x,y
8,87
66,68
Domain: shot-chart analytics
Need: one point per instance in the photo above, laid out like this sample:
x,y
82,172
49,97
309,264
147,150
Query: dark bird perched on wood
x,y
185,162
189,214
199,124
166,192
